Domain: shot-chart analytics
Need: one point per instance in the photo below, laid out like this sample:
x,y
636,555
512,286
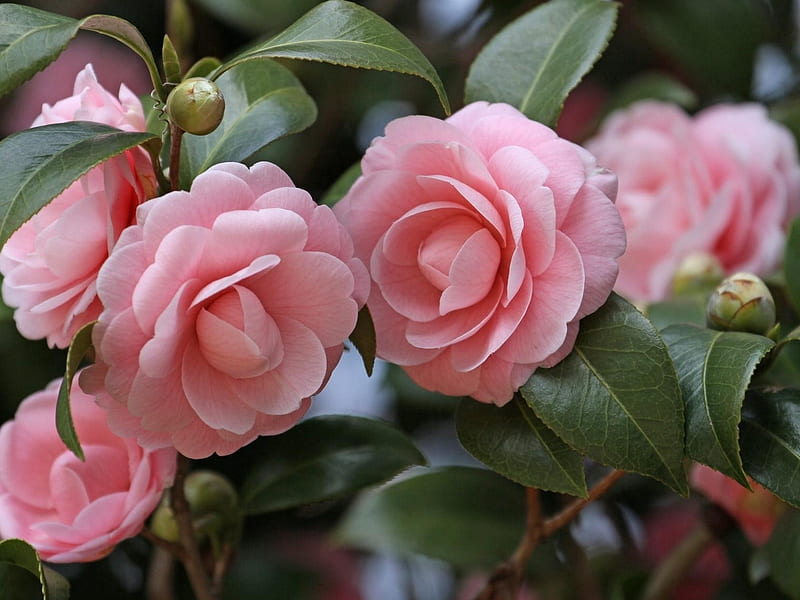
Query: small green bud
x,y
209,492
163,523
196,105
698,273
742,302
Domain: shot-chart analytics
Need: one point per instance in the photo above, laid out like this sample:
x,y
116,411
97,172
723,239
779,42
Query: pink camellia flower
x,y
724,183
756,512
225,309
488,237
69,510
50,264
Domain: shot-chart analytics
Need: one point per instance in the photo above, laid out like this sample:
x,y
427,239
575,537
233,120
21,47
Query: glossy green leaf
x,y
78,347
30,39
326,457
342,185
616,396
263,102
257,16
125,33
203,67
652,86
465,516
714,369
515,443
770,440
363,338
783,553
38,164
535,62
791,264
346,34
677,310
714,41
20,554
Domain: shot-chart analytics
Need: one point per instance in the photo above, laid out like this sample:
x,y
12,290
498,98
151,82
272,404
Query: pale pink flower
x,y
225,309
487,237
724,183
756,512
69,510
50,264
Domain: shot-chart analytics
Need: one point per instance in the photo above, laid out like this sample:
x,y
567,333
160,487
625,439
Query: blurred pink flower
x,y
665,528
725,183
225,308
50,264
69,510
488,238
756,512
113,63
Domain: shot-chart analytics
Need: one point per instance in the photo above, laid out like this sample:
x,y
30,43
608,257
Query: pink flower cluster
x,y
724,183
69,510
488,238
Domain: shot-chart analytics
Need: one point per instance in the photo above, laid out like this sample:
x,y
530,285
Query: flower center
x,y
237,336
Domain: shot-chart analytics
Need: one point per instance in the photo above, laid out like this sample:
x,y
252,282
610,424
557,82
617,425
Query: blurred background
x,y
692,52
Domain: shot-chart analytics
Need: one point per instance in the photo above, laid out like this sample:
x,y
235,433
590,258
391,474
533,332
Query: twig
x,y
192,560
175,136
160,574
505,581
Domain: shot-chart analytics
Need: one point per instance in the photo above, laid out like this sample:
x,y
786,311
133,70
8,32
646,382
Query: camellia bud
x,y
742,302
196,105
213,503
699,272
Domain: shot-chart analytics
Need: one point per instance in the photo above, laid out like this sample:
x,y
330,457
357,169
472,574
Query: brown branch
x,y
160,573
505,581
192,560
175,136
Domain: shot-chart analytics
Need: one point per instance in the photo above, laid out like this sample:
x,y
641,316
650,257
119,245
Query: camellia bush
x,y
604,319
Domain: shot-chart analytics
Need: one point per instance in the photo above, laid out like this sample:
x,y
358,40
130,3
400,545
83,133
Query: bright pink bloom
x,y
225,309
488,237
725,182
73,511
50,264
756,512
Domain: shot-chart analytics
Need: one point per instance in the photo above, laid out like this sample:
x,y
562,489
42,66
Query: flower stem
x,y
191,558
505,581
175,136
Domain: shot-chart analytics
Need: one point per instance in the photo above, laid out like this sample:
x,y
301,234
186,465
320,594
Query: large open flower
x,y
225,308
72,510
51,263
487,237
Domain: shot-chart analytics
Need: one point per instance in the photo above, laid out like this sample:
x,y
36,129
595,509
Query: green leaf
x,y
19,553
38,164
257,16
78,348
203,67
783,552
699,36
326,457
513,442
791,264
616,396
363,338
264,102
342,185
652,86
535,62
346,34
468,517
31,39
678,310
714,370
125,33
770,440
